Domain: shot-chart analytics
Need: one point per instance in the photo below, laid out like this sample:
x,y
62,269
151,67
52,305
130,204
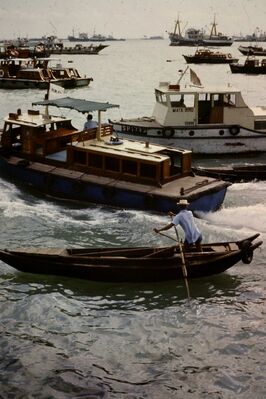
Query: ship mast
x,y
213,28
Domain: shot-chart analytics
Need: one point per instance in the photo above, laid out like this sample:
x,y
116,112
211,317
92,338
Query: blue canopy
x,y
77,104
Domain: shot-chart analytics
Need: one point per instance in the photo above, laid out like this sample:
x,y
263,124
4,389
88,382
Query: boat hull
x,y
131,265
256,70
77,186
205,60
205,140
234,173
6,83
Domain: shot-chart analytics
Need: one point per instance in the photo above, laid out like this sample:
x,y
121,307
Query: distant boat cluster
x,y
197,37
84,37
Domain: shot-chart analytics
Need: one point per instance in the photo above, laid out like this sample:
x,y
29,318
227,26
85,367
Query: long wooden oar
x,y
184,268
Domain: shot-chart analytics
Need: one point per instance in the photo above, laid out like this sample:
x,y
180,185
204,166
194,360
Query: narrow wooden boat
x,y
252,50
234,173
77,49
131,264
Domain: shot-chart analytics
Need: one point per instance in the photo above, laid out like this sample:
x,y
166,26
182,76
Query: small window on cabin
x,y
130,167
189,100
204,97
230,99
148,171
160,97
112,164
216,98
177,100
260,125
79,157
95,161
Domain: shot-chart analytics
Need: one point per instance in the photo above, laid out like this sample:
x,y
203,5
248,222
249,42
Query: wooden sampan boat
x,y
234,173
138,264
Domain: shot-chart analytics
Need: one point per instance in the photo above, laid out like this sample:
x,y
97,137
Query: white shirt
x,y
90,124
186,220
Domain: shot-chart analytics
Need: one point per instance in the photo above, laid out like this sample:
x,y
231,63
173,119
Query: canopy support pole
x,y
98,134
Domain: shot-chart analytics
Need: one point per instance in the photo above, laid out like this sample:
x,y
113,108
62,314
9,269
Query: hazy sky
x,y
127,18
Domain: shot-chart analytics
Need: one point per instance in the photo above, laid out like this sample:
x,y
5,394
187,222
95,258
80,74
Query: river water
x,y
68,338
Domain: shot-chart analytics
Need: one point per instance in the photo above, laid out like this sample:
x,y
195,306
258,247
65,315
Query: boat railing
x,y
88,134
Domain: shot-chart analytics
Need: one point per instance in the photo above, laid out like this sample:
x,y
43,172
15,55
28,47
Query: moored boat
x,y
35,73
233,173
206,56
252,66
48,154
137,264
252,50
18,51
77,49
206,120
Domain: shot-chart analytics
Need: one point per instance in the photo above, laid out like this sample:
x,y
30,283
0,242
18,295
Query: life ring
x,y
234,130
168,133
1,73
247,252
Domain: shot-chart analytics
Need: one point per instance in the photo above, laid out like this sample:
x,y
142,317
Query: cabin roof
x,y
167,88
77,104
128,148
34,120
259,110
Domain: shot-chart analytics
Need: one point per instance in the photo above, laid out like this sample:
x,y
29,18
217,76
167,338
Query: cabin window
x,y
112,164
130,167
79,157
204,97
177,100
95,161
230,99
160,97
260,125
148,171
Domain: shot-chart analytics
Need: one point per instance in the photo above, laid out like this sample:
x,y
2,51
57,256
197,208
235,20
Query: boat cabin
x,y
65,73
53,140
25,69
192,105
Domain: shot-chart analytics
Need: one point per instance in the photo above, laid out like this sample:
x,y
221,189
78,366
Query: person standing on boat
x,y
186,220
90,123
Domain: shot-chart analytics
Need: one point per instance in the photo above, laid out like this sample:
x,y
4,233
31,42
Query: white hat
x,y
183,202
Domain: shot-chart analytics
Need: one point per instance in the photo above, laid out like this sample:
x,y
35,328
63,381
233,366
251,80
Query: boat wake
x,y
244,213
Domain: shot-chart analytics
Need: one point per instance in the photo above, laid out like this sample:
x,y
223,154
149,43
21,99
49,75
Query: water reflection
x,y
134,296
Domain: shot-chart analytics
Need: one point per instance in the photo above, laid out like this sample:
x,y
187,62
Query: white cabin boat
x,y
204,120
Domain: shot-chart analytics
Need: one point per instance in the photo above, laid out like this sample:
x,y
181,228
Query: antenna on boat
x,y
182,74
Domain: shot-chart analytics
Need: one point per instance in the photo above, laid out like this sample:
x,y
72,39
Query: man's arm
x,y
167,227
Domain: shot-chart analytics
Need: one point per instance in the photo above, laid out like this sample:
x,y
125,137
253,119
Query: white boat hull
x,y
200,140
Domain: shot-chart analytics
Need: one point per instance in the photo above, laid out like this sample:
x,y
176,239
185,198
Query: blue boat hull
x,y
73,188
